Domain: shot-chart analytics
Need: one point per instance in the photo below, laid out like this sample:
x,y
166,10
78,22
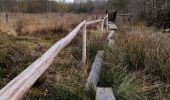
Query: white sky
x,y
67,0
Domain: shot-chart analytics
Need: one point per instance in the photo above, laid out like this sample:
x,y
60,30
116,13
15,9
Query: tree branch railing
x,y
20,85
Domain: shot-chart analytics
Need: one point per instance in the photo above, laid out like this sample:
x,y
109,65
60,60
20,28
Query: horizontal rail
x,y
124,14
16,88
106,16
92,22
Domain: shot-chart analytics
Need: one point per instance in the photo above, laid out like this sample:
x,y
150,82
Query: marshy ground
x,y
137,67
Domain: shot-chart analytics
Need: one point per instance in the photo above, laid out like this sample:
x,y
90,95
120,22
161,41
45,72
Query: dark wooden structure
x,y
112,16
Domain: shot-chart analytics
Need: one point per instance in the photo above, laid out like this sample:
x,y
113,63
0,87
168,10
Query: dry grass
x,y
27,36
24,24
144,55
150,52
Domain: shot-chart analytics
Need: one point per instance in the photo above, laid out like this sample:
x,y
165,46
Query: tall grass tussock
x,y
137,66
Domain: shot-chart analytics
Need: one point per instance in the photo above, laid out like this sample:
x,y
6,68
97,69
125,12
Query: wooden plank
x,y
15,89
104,94
124,14
93,78
109,38
112,26
95,21
105,17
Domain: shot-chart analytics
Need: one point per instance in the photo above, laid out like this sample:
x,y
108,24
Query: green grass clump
x,y
125,85
50,91
137,66
17,53
149,52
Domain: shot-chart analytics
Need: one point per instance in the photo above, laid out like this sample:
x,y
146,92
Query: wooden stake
x,y
84,56
102,25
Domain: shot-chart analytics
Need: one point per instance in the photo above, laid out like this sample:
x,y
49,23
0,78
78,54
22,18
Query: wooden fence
x,y
102,93
20,85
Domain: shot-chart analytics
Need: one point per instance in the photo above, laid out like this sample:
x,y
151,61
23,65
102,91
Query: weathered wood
x,y
124,15
102,25
105,17
109,38
21,84
84,45
107,23
112,16
105,94
93,78
112,26
92,22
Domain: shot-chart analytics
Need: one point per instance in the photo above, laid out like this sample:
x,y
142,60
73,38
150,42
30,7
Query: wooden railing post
x,y
84,44
107,22
102,25
6,17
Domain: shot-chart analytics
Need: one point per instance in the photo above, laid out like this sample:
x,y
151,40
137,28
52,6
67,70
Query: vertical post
x,y
84,45
102,25
6,17
107,22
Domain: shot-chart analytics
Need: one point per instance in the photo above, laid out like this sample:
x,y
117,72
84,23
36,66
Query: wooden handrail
x,y
23,82
16,88
124,15
92,22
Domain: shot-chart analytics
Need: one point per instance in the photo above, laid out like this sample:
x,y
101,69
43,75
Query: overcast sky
x,y
67,0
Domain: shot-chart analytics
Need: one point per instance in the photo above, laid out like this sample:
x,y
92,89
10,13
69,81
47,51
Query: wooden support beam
x,y
84,55
112,26
93,78
124,15
15,89
102,25
104,94
109,38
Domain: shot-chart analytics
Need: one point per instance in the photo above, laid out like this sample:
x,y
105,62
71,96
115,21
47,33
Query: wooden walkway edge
x,y
105,94
93,78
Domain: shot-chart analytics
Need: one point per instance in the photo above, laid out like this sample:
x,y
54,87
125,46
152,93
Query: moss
x,y
17,53
51,91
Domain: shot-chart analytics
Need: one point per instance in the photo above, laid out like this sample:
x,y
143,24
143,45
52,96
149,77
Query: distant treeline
x,y
43,6
31,6
154,12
